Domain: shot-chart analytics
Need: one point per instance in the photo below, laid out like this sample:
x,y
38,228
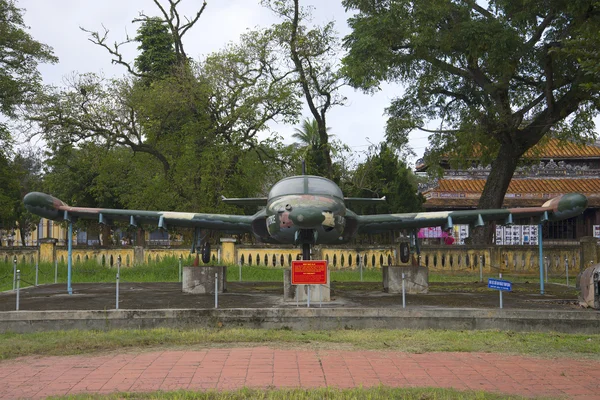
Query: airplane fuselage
x,y
306,218
307,209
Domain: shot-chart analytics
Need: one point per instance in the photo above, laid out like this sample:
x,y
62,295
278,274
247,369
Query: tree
x,y
9,194
495,76
27,168
153,39
383,174
310,141
312,53
157,57
20,55
19,58
185,135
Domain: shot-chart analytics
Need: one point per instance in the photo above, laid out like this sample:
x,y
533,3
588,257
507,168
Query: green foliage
x,y
19,79
329,393
499,75
9,194
310,145
27,169
157,56
411,341
310,52
177,142
19,58
383,174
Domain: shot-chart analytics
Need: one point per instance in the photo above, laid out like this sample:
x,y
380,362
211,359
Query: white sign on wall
x,y
596,231
517,235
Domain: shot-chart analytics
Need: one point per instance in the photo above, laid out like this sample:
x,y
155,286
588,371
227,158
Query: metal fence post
x,y
37,270
117,293
546,269
18,286
180,261
320,297
216,290
240,271
567,269
55,271
500,293
403,292
14,273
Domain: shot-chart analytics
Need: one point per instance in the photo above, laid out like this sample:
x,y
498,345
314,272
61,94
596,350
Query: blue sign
x,y
499,284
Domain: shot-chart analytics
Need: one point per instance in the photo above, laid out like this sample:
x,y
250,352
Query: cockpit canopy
x,y
306,184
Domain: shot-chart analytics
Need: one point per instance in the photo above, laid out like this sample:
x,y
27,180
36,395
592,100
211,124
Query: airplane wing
x,y
245,201
561,207
363,200
50,207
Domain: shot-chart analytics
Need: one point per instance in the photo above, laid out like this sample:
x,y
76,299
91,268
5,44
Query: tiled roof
x,y
523,186
465,193
558,149
552,149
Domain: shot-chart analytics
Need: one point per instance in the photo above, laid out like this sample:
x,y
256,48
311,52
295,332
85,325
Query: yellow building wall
x,y
447,259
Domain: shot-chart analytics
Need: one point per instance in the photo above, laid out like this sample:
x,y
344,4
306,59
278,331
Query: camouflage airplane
x,y
305,210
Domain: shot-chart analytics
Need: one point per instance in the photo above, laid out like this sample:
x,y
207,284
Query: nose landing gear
x,y
306,237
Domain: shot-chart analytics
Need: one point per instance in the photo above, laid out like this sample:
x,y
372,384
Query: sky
x,y
359,123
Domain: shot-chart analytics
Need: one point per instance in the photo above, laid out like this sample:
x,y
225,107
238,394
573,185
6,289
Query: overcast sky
x,y
56,23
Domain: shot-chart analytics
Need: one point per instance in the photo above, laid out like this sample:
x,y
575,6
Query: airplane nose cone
x,y
306,218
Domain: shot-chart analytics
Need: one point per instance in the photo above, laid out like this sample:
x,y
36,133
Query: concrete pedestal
x,y
201,280
416,279
290,291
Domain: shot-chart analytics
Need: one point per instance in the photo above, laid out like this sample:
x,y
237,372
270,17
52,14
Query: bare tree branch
x,y
100,40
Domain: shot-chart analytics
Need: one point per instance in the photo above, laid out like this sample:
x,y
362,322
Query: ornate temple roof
x,y
552,149
521,192
557,149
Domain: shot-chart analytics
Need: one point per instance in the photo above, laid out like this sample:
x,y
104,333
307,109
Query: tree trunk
x,y
325,156
503,169
22,233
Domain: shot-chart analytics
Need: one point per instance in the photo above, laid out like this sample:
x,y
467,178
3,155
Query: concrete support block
x,y
416,279
589,283
201,280
317,292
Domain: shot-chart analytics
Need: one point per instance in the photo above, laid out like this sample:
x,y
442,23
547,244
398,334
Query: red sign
x,y
309,272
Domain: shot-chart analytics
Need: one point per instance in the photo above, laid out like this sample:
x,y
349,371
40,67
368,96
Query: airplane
x,y
305,210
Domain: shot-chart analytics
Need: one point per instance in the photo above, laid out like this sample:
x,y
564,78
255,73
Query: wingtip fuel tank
x,y
44,205
567,206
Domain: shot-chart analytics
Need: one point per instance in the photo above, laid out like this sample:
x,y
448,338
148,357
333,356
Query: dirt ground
x,y
100,296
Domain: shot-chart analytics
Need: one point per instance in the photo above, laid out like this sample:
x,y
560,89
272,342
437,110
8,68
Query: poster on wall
x,y
499,235
463,233
517,235
596,231
431,232
533,236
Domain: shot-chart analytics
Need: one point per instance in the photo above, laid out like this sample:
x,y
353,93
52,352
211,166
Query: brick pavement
x,y
261,367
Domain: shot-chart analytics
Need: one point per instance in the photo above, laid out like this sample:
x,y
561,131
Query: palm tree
x,y
308,134
310,142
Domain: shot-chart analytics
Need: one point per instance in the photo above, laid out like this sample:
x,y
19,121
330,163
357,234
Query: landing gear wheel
x,y
205,253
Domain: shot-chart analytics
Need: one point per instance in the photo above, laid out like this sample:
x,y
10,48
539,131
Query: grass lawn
x,y
167,270
376,393
412,341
